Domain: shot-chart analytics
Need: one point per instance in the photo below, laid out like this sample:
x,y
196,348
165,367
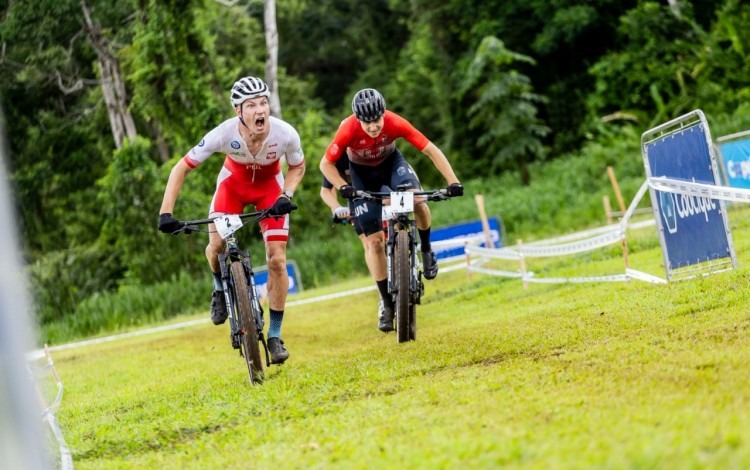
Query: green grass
x,y
615,375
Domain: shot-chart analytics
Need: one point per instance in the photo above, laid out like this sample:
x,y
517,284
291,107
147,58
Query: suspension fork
x,y
229,255
414,281
389,244
254,298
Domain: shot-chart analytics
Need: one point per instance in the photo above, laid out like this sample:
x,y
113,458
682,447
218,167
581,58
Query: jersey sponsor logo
x,y
334,149
202,143
270,155
362,142
272,145
234,144
401,171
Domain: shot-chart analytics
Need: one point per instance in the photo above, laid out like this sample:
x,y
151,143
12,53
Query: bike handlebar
x,y
379,196
190,226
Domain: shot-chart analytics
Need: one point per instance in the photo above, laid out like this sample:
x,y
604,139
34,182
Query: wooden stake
x,y
616,187
607,209
479,199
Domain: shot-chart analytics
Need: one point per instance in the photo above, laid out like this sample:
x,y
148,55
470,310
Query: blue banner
x,y
736,160
463,230
261,279
694,228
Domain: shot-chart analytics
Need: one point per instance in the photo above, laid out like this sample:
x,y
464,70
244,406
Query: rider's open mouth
x,y
260,122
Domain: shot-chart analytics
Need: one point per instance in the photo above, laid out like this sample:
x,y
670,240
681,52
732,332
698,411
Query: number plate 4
x,y
402,202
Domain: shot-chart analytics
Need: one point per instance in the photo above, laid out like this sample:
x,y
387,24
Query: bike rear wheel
x,y
402,270
249,343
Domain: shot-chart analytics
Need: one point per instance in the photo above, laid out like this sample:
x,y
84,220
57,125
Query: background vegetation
x,y
531,100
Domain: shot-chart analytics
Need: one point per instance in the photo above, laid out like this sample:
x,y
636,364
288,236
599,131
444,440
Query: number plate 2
x,y
227,224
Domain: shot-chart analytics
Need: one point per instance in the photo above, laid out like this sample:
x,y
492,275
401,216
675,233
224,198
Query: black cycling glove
x,y
282,206
454,189
347,191
168,224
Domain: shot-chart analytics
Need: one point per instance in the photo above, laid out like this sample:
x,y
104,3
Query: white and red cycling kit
x,y
245,178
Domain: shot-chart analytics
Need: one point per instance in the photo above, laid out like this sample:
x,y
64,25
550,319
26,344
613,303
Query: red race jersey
x,y
363,149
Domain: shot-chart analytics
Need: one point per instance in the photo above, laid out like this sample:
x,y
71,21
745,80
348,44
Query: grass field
x,y
610,375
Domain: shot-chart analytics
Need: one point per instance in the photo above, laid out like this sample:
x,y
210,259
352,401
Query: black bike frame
x,y
396,224
235,255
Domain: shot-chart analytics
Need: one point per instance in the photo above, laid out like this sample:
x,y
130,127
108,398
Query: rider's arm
x,y
176,178
328,168
330,197
440,162
294,177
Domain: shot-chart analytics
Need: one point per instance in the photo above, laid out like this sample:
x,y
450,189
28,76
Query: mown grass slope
x,y
606,375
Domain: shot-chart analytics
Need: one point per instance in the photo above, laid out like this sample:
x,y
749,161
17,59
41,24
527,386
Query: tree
x,y
272,45
113,86
504,109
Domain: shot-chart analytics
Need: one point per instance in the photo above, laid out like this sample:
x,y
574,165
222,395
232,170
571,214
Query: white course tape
x,y
701,190
579,279
644,276
543,250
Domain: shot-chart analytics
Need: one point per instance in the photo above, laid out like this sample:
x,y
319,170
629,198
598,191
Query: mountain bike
x,y
240,294
404,267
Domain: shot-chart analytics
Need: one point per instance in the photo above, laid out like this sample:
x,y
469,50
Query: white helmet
x,y
246,88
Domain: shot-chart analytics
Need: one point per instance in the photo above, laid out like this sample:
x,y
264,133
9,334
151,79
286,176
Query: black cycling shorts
x,y
392,174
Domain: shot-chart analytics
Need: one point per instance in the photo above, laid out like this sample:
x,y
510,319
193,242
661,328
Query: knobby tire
x,y
402,272
250,346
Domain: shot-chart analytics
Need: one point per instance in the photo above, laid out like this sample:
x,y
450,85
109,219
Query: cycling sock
x,y
383,288
274,329
217,283
424,239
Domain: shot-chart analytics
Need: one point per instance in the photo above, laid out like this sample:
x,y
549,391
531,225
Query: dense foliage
x,y
506,88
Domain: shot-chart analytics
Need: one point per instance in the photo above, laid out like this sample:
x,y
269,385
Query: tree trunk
x,y
272,45
113,86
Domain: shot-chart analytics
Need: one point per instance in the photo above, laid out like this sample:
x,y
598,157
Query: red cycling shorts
x,y
238,187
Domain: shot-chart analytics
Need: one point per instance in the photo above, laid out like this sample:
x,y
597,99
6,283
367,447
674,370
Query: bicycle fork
x,y
416,288
255,303
234,326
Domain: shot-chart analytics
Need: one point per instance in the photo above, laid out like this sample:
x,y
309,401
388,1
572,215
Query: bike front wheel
x,y
249,343
402,272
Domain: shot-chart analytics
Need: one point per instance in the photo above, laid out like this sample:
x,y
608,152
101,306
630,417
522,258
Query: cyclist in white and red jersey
x,y
367,138
254,143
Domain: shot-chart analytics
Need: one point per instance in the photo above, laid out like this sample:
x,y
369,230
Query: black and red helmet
x,y
368,104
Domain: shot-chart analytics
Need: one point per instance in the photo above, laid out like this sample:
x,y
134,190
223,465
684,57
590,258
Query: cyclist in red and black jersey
x,y
367,138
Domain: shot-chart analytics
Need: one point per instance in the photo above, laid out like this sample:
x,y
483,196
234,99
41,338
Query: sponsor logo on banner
x,y
738,169
681,206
